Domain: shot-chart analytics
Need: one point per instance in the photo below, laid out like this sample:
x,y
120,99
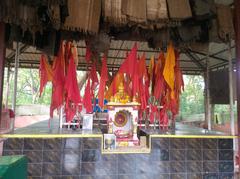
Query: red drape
x,y
103,79
72,91
87,99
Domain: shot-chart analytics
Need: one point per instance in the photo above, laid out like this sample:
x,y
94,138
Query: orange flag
x,y
45,73
103,79
168,71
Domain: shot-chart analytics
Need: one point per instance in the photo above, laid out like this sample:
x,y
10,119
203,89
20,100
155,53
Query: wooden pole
x,y
2,63
237,42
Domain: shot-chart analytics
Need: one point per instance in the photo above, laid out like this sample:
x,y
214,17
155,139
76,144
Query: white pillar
x,y
15,77
207,98
230,71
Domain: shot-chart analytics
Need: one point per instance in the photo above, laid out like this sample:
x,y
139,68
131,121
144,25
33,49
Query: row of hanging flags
x,y
158,85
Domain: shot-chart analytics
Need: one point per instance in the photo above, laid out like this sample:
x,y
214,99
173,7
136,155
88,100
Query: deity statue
x,y
120,96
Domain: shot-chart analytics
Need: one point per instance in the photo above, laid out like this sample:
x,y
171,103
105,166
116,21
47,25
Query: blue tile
x,y
226,176
210,176
226,166
225,143
91,155
225,154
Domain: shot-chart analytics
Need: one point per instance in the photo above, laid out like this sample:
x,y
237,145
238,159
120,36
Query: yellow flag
x,y
168,71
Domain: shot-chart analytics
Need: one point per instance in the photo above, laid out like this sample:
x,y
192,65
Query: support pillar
x,y
7,86
230,72
15,78
2,62
207,96
237,42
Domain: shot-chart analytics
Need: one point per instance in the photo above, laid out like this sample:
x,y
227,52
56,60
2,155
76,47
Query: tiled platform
x,y
62,158
185,153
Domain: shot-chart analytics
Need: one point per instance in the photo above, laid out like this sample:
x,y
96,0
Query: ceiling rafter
x,y
194,59
216,53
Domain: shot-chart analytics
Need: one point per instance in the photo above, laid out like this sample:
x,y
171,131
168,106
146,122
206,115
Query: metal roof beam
x,y
195,60
212,56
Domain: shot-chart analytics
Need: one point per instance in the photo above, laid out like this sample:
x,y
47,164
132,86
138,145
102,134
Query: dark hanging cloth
x,y
225,22
189,33
34,15
204,34
48,41
202,9
219,88
213,31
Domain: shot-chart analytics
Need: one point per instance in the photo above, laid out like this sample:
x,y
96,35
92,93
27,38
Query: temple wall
x,y
74,158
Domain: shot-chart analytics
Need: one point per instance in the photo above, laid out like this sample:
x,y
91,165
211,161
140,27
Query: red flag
x,y
57,85
163,117
72,91
160,82
88,54
178,87
153,110
103,79
128,65
87,99
93,76
142,66
71,85
143,95
135,80
45,73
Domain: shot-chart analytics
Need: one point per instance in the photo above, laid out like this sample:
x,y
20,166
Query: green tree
x,y
192,99
28,88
